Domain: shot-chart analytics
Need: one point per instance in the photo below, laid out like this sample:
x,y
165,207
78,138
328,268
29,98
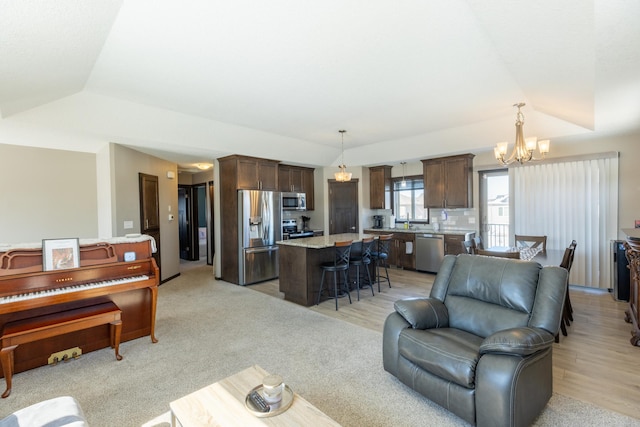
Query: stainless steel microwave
x,y
294,202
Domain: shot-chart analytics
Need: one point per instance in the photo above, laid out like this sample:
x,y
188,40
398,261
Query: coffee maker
x,y
377,221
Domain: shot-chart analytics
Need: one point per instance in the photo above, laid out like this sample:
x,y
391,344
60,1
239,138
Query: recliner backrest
x,y
484,294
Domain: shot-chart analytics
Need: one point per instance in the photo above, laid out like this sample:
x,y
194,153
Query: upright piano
x,y
27,291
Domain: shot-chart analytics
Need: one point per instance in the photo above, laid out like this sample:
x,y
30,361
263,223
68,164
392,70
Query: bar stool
x,y
363,260
380,257
342,252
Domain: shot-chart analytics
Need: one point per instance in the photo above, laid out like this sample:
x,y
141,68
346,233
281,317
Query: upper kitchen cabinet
x,y
448,182
380,187
309,187
290,179
297,179
251,173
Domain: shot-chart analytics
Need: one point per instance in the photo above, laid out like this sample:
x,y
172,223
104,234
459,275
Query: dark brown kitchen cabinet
x,y
251,173
403,244
398,255
448,182
380,187
297,179
309,187
290,179
453,244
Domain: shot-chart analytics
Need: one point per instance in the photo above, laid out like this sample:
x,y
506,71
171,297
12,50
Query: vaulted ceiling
x,y
193,80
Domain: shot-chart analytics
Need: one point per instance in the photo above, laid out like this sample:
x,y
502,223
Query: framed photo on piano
x,y
60,254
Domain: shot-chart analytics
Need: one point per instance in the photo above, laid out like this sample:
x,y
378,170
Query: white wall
x,y
46,194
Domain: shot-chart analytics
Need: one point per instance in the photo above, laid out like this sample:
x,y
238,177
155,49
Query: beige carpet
x,y
209,329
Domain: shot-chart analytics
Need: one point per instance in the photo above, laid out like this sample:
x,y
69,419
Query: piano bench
x,y
50,325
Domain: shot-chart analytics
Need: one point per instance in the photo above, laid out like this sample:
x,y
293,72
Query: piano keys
x,y
27,291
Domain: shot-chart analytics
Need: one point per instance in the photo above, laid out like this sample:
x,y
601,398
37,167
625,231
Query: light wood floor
x,y
594,363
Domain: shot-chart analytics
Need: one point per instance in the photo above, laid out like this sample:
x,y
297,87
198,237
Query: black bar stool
x,y
342,252
380,257
363,260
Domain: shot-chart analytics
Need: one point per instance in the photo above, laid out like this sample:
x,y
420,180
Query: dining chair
x,y
468,247
340,263
567,310
477,242
499,254
523,241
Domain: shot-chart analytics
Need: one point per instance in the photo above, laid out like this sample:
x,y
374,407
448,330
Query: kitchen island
x,y
300,260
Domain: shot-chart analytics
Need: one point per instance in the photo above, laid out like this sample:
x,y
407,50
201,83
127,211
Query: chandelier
x,y
343,175
524,148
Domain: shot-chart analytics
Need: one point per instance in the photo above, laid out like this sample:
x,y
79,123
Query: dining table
x,y
544,258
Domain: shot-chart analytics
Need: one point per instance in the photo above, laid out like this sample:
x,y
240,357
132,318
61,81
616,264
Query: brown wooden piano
x,y
103,276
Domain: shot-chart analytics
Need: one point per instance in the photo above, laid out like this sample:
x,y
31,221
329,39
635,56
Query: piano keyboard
x,y
69,289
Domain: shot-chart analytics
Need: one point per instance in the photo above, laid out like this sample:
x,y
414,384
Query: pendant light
x,y
403,183
343,175
524,147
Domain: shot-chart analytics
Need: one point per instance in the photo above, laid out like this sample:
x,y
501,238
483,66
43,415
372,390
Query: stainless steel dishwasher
x,y
429,252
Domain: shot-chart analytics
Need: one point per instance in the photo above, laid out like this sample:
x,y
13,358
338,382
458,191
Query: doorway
x,y
150,210
343,207
495,217
195,219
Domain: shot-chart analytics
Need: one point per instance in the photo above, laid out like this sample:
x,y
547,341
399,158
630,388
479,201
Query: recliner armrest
x,y
423,313
520,341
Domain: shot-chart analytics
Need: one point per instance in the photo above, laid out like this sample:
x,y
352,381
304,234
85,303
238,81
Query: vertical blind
x,y
571,200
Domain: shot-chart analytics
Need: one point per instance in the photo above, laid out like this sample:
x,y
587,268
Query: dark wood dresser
x,y
632,251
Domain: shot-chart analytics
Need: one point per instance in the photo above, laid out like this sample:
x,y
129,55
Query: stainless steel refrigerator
x,y
259,219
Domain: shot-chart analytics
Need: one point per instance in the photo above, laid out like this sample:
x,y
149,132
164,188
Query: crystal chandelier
x,y
523,150
343,175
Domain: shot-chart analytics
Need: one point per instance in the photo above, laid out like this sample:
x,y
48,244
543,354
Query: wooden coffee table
x,y
223,404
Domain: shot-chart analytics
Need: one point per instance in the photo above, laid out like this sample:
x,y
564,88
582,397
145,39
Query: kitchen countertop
x,y
417,231
319,242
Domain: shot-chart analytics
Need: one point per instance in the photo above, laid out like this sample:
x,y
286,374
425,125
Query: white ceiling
x,y
193,80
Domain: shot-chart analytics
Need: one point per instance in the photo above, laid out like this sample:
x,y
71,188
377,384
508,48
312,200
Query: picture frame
x,y
60,254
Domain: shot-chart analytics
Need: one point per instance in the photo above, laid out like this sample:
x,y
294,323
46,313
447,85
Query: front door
x,y
343,206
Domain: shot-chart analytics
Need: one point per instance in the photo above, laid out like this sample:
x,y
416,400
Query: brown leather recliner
x,y
481,344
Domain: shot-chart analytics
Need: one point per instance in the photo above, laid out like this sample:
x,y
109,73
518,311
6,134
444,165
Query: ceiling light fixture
x,y
523,149
203,166
403,183
343,175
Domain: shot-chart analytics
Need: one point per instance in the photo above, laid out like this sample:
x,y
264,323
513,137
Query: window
x,y
408,200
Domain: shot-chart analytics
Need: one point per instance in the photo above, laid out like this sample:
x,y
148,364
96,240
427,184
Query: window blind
x,y
571,200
